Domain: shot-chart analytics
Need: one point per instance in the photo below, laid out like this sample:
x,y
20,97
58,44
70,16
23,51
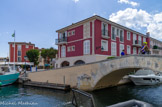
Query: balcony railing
x,y
61,40
137,43
105,33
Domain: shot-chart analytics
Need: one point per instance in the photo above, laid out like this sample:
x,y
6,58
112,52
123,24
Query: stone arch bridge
x,y
100,74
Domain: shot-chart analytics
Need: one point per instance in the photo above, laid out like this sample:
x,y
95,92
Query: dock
x,y
26,82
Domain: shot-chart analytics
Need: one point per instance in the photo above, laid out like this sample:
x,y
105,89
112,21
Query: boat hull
x,y
141,80
8,79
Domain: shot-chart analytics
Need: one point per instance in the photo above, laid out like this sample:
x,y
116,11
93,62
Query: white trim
x,y
93,41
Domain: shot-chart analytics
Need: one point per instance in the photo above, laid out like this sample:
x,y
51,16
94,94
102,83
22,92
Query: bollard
x,y
64,80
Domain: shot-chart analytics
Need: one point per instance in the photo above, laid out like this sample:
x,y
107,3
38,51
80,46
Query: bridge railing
x,y
82,99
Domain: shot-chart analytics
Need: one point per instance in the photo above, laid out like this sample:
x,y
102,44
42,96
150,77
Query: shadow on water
x,y
109,96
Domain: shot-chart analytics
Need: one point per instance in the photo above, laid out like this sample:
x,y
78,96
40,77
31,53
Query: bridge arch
x,y
113,77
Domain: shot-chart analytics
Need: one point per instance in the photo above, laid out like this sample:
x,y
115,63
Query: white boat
x,y
145,77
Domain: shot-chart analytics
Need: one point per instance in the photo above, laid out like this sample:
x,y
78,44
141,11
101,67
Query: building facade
x,y
95,39
20,50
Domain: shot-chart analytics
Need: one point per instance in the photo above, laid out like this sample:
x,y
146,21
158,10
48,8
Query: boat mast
x,y
14,50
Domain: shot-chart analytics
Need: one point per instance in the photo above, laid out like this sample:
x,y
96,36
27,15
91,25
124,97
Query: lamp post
x,y
25,58
5,61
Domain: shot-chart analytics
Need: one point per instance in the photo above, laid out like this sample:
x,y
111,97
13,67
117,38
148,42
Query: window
x,y
19,50
113,48
69,33
144,39
73,32
117,32
134,50
113,33
86,47
104,45
128,35
86,30
19,53
73,48
104,29
19,59
134,38
128,49
27,46
121,36
13,45
63,35
19,47
69,48
63,51
121,48
139,40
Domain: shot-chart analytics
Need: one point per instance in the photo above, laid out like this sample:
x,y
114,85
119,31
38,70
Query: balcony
x,y
137,43
105,34
61,41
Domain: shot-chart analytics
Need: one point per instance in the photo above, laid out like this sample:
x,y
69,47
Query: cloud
x,y
129,2
76,1
139,19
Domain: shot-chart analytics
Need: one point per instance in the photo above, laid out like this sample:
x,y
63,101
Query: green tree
x,y
52,53
33,56
48,54
44,54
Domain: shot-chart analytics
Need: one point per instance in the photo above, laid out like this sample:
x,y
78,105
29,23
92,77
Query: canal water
x,y
18,96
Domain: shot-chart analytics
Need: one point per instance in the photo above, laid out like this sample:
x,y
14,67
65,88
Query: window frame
x,y
63,53
112,33
129,49
105,45
86,47
128,36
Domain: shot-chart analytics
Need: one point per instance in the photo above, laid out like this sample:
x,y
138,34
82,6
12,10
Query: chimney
x,y
148,34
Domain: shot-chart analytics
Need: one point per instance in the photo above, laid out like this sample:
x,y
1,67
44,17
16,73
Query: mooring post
x,y
64,80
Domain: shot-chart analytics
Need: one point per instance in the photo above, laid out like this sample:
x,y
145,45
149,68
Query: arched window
x,y
86,47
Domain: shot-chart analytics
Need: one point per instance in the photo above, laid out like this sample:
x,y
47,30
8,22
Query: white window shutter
x,y
65,33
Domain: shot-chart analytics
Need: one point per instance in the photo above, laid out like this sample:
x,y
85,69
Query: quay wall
x,y
98,75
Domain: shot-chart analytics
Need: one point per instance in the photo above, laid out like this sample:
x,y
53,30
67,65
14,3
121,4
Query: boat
x,y
145,77
7,75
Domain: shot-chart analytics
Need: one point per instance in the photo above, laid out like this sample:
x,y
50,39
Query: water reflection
x,y
53,98
150,94
36,97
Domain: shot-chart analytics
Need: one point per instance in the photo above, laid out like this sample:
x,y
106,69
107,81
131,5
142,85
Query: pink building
x,y
95,39
20,50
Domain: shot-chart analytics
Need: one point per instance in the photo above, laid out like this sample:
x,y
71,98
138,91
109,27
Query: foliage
x,y
111,57
33,56
155,47
48,54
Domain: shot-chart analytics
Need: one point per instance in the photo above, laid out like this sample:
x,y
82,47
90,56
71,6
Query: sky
x,y
36,21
